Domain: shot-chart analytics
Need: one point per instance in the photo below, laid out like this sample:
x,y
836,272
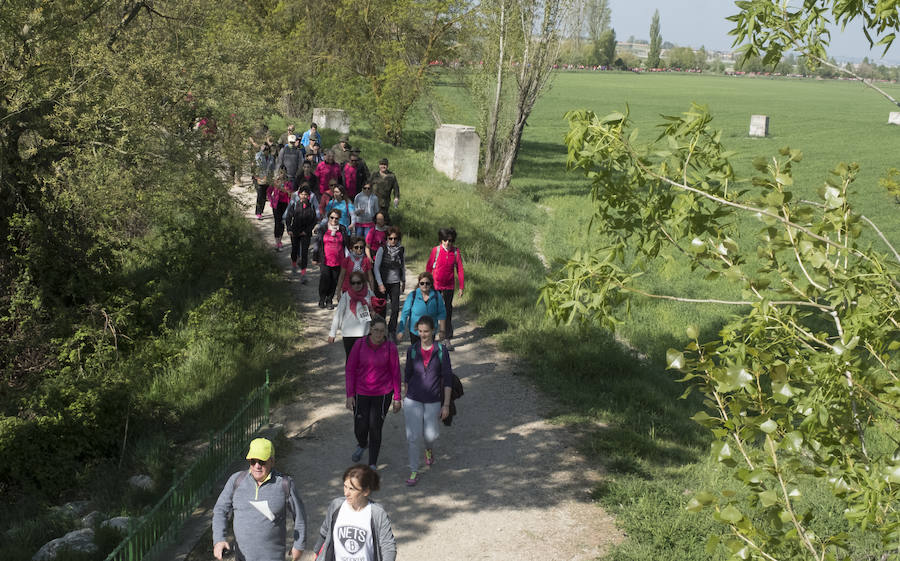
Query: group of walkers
x,y
337,215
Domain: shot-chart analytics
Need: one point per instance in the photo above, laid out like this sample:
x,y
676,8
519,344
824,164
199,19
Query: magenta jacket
x,y
373,370
442,265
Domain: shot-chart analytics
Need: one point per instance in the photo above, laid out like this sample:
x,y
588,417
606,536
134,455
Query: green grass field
x,y
654,455
830,121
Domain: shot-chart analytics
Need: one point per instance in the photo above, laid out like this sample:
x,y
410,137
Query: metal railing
x,y
158,526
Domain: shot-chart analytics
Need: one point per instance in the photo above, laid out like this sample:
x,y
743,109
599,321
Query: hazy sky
x,y
702,22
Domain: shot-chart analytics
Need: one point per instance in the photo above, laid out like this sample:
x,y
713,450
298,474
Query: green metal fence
x,y
159,525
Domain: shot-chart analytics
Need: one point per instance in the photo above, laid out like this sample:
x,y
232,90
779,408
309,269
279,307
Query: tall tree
x,y
97,145
597,16
655,42
605,48
524,44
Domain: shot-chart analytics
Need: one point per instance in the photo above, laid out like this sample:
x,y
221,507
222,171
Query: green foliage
x,y
374,62
797,383
121,257
770,29
605,48
626,408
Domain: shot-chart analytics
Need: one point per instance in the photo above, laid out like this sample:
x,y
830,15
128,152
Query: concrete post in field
x,y
759,125
334,119
894,118
456,149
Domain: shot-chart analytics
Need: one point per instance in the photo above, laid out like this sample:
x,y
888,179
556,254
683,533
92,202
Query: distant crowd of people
x,y
337,215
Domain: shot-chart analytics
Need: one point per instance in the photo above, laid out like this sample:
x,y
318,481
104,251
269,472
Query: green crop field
x,y
654,455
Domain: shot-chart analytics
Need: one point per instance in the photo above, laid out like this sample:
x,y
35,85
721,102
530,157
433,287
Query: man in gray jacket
x,y
260,500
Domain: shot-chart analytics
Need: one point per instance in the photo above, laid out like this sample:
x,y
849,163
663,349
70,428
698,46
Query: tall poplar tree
x,y
655,42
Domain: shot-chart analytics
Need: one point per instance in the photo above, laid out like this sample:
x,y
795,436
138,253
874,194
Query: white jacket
x,y
348,322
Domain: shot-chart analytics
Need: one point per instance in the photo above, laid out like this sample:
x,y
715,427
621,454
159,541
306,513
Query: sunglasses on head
x,y
254,461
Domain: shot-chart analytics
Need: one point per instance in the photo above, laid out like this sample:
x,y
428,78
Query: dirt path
x,y
505,484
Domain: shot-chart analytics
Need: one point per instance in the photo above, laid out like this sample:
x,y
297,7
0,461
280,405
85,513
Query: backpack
x,y
456,390
437,255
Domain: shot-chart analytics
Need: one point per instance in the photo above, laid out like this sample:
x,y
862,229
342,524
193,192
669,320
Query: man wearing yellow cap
x,y
260,504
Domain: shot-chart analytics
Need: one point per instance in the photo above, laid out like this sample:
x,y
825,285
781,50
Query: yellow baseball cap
x,y
261,449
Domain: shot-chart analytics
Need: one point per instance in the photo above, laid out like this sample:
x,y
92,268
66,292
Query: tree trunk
x,y
514,142
490,144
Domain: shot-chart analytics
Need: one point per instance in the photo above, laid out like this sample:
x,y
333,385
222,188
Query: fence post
x,y
266,400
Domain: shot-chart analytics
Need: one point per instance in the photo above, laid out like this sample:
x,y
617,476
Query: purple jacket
x,y
426,384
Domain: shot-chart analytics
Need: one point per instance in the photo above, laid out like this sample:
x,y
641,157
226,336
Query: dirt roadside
x,y
505,484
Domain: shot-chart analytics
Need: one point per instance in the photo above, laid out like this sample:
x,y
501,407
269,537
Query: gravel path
x,y
505,484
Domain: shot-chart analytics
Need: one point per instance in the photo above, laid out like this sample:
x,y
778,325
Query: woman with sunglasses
x,y
423,301
329,247
340,201
353,314
445,263
356,260
372,382
355,526
390,275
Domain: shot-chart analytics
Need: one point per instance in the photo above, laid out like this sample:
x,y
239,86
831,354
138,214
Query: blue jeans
x,y
361,231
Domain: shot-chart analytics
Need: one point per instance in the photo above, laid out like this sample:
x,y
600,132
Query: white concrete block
x,y
759,125
334,119
894,118
456,151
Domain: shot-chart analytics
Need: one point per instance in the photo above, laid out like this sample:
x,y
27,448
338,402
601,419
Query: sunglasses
x,y
334,218
356,283
255,461
359,247
393,238
424,283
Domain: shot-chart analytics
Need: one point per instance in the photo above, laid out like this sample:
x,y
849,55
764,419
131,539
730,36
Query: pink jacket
x,y
373,370
327,172
442,264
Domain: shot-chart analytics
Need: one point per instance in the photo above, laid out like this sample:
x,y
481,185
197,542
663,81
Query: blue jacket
x,y
415,307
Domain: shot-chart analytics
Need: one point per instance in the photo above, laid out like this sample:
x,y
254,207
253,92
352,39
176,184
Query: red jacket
x,y
442,264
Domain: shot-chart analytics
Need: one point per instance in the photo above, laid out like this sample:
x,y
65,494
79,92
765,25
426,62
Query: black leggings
x,y
368,418
279,219
392,293
261,189
328,277
300,244
348,346
448,305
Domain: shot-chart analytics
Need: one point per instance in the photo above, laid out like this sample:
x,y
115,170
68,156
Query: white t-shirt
x,y
352,534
